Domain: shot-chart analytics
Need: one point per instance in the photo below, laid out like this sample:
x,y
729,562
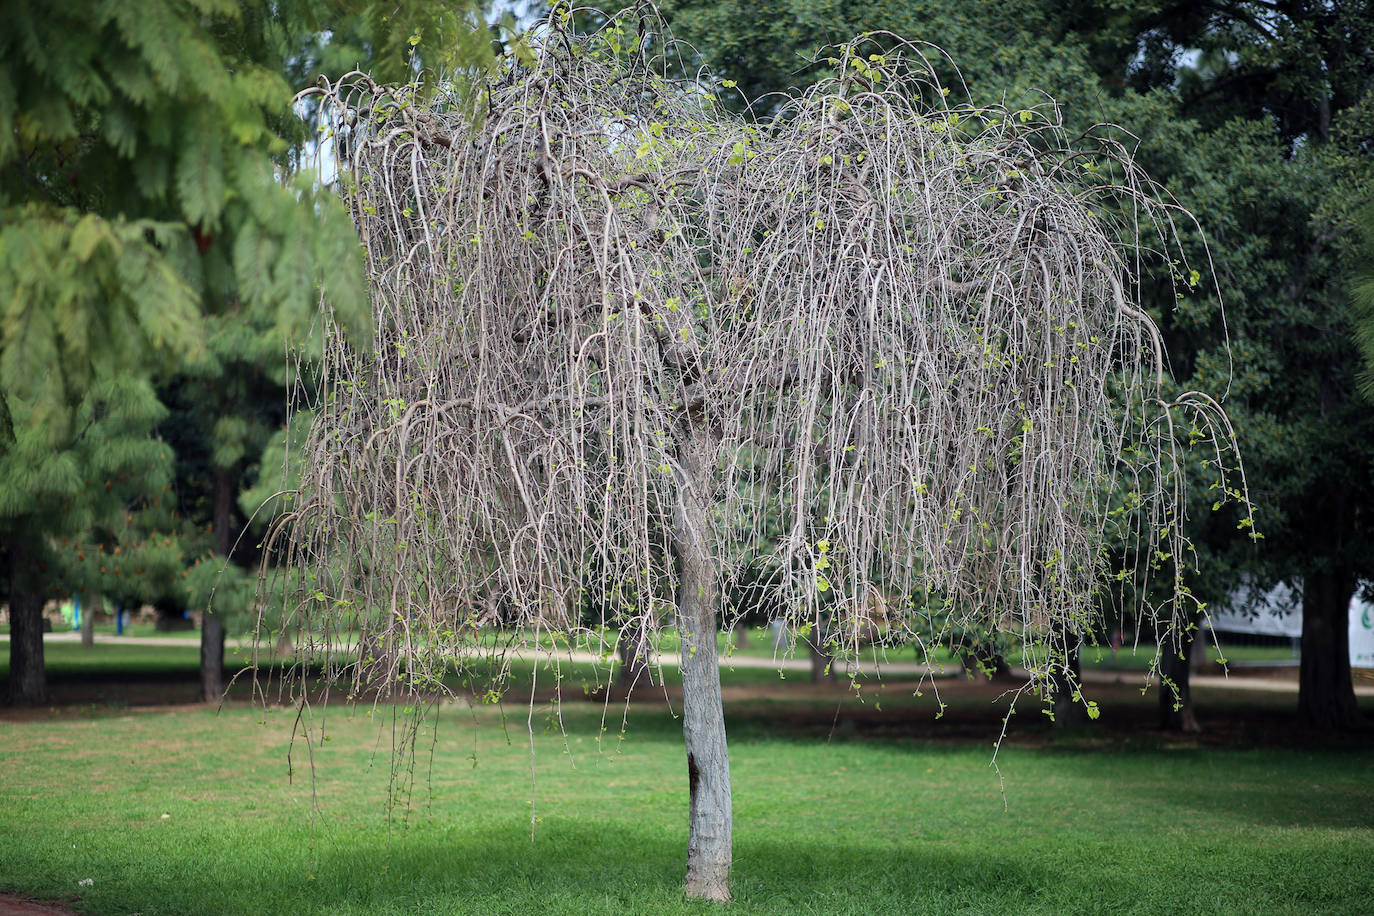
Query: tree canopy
x,y
626,341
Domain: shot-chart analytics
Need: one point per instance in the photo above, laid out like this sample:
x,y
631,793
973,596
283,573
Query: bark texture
x,y
211,658
703,719
28,677
1326,694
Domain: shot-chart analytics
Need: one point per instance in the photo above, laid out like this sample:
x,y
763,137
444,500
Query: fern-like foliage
x,y
149,229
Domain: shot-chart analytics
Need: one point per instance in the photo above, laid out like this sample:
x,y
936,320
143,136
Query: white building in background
x,y
1278,612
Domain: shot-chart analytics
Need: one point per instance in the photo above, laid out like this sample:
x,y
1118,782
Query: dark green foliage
x,y
995,47
145,230
1362,295
139,193
393,41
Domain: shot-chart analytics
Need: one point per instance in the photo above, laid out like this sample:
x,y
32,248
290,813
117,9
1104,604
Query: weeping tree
x,y
627,343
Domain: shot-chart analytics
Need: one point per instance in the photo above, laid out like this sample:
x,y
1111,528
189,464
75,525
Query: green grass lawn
x,y
187,811
115,674
1129,658
68,659
758,645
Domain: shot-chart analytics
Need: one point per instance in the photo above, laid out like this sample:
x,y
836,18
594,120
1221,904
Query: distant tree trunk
x,y
88,620
822,662
211,624
1065,681
632,649
28,678
1175,693
703,719
374,654
984,659
1197,655
1326,694
171,617
211,658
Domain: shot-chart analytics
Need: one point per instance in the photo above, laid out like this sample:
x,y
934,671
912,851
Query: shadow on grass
x,y
569,867
1250,795
576,867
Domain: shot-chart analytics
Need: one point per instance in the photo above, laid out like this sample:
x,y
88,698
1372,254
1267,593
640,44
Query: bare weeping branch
x,y
904,336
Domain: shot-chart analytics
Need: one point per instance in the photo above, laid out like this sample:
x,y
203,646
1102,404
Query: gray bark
x,y
211,658
703,719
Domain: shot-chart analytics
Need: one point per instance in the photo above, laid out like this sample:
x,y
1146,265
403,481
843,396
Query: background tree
x,y
1362,294
138,188
1257,117
618,331
233,399
224,410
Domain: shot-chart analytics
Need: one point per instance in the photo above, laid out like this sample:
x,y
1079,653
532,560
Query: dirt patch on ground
x,y
961,710
11,905
1233,713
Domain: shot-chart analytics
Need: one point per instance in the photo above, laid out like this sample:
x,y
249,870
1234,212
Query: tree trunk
x,y
28,678
1065,682
984,659
632,649
1175,692
822,661
211,624
1326,694
88,622
211,658
1198,659
703,719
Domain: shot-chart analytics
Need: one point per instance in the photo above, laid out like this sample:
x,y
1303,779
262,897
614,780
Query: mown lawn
x,y
177,667
758,646
185,811
110,659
